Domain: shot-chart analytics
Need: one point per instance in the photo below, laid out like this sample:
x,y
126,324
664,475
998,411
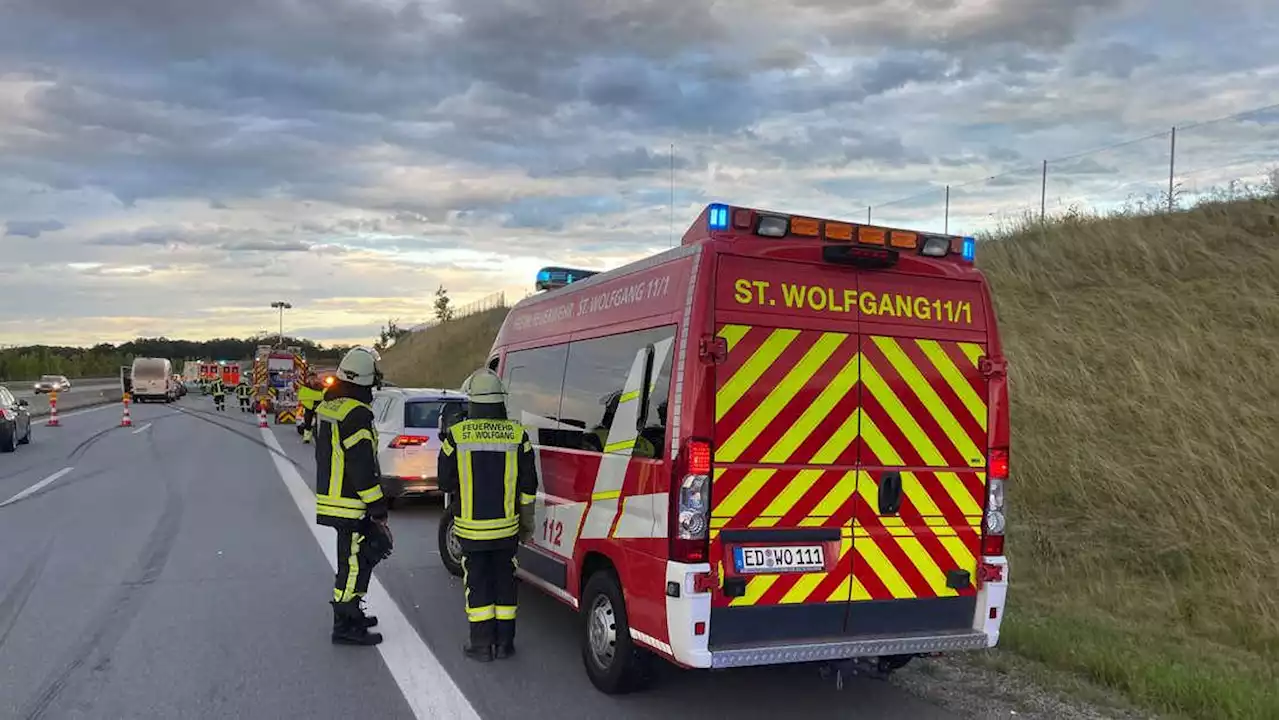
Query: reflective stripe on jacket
x,y
347,484
489,464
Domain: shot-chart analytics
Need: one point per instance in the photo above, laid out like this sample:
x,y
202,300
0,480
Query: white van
x,y
152,379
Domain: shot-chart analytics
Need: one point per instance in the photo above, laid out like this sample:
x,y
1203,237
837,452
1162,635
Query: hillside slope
x,y
1143,355
443,356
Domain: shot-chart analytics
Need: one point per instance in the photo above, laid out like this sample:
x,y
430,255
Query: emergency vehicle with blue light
x,y
784,441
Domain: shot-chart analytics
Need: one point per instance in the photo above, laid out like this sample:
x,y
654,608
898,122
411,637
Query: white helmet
x,y
360,367
484,387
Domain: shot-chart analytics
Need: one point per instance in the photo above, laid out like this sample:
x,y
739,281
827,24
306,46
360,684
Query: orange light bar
x,y
838,231
871,235
901,239
804,226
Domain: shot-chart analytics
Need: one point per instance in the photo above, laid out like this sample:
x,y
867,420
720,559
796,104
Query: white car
x,y
407,422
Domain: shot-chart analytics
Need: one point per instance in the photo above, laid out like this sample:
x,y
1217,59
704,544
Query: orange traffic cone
x,y
125,420
53,412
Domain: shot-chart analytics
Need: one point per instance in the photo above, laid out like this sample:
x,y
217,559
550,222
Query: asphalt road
x,y
167,571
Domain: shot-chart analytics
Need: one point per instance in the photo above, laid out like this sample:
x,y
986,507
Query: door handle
x,y
890,493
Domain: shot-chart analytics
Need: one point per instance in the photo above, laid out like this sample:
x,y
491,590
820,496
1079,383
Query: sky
x,y
171,167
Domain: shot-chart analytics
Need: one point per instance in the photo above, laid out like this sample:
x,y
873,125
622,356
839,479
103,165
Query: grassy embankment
x,y
1143,355
443,356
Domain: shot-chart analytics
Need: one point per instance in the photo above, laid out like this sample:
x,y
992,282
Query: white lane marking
x,y
86,411
144,427
426,685
36,488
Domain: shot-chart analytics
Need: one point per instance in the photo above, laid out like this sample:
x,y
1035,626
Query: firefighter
x,y
477,457
348,495
310,395
219,392
244,392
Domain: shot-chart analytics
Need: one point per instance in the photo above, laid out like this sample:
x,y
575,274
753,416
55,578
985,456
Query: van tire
x,y
603,622
452,562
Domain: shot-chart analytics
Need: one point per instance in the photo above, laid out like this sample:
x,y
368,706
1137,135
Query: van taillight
x,y
404,441
993,515
691,503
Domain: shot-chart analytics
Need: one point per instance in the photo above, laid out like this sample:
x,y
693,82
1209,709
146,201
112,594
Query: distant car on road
x,y
407,424
15,421
52,383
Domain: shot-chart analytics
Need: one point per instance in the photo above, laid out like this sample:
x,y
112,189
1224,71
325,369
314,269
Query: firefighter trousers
x,y
489,576
354,569
244,403
220,402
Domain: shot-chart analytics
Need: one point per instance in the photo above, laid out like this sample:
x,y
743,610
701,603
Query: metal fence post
x,y
1044,183
1173,143
946,211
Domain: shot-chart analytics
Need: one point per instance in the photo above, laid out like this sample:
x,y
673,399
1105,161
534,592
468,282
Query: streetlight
x,y
281,306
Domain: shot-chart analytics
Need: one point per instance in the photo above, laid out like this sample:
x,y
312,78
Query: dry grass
x,y
1143,356
443,356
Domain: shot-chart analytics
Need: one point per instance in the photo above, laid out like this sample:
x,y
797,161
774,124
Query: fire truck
x,y
277,373
784,441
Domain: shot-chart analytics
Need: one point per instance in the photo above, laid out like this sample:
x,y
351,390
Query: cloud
x,y
31,228
229,153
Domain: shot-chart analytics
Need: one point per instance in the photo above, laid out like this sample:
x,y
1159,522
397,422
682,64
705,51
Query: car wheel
x,y
26,439
614,663
450,548
6,440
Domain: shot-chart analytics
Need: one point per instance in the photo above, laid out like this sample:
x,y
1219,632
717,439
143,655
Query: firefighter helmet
x,y
484,387
360,367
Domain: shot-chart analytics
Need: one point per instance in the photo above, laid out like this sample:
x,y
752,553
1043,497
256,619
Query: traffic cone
x,y
125,420
262,416
53,413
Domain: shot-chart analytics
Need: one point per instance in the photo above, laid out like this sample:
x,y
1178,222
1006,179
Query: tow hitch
x,y
876,668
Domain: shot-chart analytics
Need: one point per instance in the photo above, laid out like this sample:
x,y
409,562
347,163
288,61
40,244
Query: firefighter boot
x,y
479,646
506,645
364,618
502,651
349,628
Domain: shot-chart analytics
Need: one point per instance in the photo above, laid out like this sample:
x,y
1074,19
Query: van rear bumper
x,y
845,648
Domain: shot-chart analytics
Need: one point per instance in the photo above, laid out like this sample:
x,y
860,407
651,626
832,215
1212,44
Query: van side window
x,y
595,388
533,378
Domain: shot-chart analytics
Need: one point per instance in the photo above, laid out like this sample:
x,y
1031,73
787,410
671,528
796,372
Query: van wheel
x,y
450,548
614,663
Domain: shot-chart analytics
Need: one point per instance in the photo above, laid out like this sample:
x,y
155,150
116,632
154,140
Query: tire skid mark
x,y
16,599
72,479
110,624
201,415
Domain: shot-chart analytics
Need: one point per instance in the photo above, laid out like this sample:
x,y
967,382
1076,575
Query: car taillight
x,y
404,441
993,515
692,504
7,414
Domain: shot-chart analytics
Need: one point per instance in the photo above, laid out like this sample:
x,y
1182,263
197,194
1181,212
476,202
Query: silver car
x,y
52,383
407,423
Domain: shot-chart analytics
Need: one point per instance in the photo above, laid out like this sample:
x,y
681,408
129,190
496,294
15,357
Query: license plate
x,y
780,559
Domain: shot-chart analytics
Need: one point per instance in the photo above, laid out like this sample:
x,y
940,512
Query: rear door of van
x,y
922,451
785,449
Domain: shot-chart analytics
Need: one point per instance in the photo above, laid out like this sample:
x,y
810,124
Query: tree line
x,y
31,361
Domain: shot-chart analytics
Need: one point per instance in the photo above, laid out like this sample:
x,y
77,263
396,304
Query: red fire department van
x,y
784,441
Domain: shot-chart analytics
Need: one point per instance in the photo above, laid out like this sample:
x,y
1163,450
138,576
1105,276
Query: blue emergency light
x,y
718,217
968,249
551,278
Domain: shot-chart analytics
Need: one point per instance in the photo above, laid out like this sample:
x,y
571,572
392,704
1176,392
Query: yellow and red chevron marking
x,y
787,396
924,403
